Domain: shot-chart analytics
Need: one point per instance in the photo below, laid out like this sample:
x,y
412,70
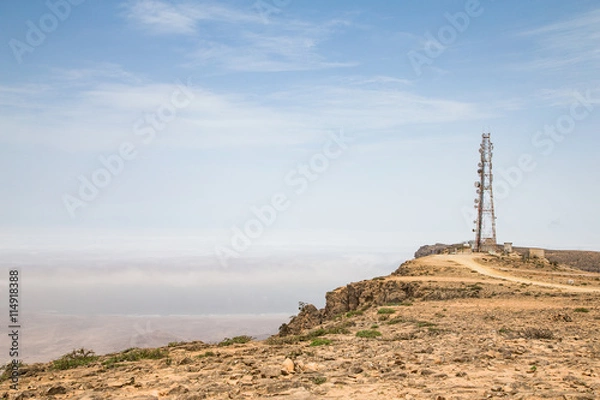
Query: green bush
x,y
206,354
396,320
368,334
283,340
74,359
386,311
8,368
135,355
582,310
338,330
353,313
235,340
320,342
315,333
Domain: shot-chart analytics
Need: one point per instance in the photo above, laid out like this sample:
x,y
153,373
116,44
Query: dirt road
x,y
470,262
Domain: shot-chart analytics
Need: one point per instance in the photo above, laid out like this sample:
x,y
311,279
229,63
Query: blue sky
x,y
260,92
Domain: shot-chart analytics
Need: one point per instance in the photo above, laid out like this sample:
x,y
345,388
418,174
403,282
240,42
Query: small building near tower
x,y
536,253
508,247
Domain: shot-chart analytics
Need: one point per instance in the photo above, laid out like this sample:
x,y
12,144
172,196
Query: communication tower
x,y
485,224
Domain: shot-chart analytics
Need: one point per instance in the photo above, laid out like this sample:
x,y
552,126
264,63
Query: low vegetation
x,y
584,260
368,334
334,330
396,320
235,340
340,329
320,342
537,333
135,354
582,310
402,303
8,369
76,358
354,313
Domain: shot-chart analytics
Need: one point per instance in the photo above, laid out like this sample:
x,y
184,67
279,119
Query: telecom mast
x,y
485,224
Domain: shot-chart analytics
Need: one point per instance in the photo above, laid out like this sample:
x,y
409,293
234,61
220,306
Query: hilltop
x,y
578,259
439,327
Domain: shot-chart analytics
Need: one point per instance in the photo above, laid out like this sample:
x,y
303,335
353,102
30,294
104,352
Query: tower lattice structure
x,y
485,223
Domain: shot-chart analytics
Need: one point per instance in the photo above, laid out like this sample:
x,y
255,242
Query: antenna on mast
x,y
485,223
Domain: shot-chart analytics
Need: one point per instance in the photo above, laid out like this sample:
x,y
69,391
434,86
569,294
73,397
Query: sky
x,y
235,131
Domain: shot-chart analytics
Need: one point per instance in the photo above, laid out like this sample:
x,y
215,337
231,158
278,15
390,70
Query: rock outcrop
x,y
379,291
430,249
353,296
308,317
365,294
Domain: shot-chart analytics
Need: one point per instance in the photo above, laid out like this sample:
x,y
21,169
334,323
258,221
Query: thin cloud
x,y
566,44
378,80
28,96
94,74
292,46
563,97
95,118
159,17
585,21
250,45
265,54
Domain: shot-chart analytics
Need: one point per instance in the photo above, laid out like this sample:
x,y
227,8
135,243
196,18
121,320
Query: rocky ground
x,y
440,327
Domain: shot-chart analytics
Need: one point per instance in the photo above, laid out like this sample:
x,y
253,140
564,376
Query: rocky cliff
x,y
379,291
429,249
